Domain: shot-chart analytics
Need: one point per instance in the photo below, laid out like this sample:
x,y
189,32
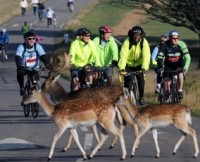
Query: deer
x,y
79,112
58,94
153,116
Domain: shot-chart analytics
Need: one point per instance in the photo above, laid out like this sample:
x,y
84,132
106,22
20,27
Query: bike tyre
x,y
26,109
34,110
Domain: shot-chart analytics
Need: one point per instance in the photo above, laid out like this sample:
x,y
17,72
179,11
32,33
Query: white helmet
x,y
173,33
3,30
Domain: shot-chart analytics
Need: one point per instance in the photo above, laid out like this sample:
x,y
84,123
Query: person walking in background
x,y
25,27
135,57
35,6
23,4
107,52
155,52
50,15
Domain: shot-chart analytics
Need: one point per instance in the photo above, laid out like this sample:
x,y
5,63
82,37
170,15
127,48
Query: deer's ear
x,y
56,78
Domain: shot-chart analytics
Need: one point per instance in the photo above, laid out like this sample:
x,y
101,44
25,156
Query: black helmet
x,y
136,29
30,33
83,31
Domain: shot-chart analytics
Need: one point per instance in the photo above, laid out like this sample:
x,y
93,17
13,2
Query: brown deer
x,y
154,116
58,95
80,112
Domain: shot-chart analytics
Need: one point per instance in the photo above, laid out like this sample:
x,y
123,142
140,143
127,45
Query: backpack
x,y
24,45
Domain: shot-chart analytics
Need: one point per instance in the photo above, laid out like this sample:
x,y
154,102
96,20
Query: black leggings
x,y
21,74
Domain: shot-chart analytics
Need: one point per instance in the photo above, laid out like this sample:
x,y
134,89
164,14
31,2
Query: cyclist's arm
x,y
154,55
114,50
146,54
18,57
186,55
124,53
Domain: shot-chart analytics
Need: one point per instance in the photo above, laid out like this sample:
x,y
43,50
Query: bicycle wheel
x,y
26,109
161,96
34,110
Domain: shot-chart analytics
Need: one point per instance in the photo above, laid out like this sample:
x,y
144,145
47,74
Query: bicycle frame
x,y
101,80
133,84
34,107
2,52
169,90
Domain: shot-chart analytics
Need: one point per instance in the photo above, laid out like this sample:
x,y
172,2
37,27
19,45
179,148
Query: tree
x,y
184,13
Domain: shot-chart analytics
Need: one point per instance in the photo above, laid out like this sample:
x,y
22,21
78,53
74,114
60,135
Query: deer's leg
x,y
104,136
58,134
155,137
94,130
114,130
187,130
67,146
116,137
76,138
137,139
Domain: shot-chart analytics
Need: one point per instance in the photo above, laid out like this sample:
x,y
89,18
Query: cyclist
x,y
82,55
163,38
135,56
174,55
28,56
107,52
70,5
4,39
41,9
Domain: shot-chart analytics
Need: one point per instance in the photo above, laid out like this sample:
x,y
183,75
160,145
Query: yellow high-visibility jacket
x,y
134,56
82,54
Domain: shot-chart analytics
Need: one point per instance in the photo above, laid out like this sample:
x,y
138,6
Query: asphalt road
x,y
27,139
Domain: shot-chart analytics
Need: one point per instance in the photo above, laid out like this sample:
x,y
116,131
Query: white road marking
x,y
15,143
84,129
158,132
15,25
88,141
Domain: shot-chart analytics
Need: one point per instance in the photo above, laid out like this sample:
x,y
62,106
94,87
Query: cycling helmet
x,y
136,29
105,29
173,33
84,31
30,33
3,30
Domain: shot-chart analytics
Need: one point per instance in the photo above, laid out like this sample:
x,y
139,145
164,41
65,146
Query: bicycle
x,y
31,81
82,83
3,54
101,81
133,84
171,95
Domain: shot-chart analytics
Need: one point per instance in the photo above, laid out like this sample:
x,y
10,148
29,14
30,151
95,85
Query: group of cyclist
x,y
87,56
134,55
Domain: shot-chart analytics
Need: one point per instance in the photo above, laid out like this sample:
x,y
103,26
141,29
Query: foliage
x,y
178,13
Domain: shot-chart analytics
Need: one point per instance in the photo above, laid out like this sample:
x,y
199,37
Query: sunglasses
x,y
175,38
31,38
